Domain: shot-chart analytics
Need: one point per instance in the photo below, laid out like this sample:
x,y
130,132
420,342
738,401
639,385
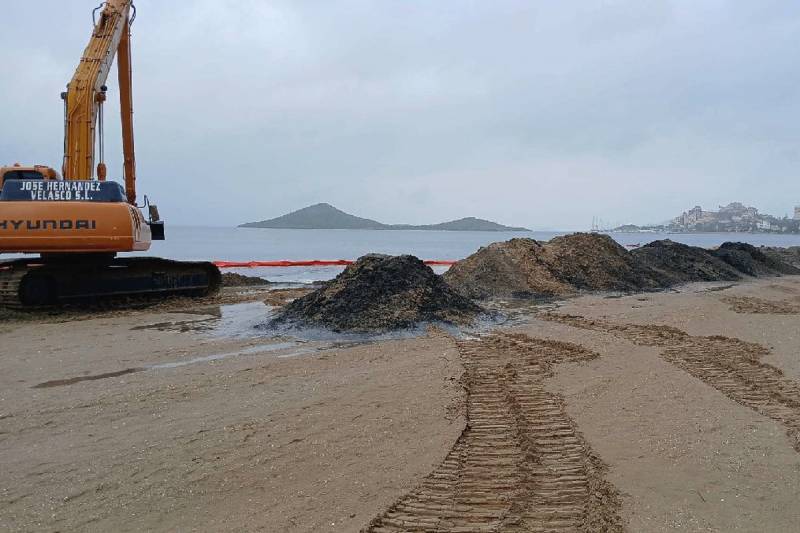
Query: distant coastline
x,y
325,216
732,218
666,231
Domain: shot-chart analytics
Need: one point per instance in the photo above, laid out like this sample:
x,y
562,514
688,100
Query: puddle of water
x,y
339,340
234,320
251,319
240,320
253,350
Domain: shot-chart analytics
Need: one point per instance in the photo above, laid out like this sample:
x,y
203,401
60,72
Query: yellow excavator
x,y
78,223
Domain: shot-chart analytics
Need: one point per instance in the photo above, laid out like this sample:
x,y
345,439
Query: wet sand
x,y
290,439
687,451
162,420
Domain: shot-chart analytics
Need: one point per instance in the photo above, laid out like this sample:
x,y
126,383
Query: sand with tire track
x,y
650,412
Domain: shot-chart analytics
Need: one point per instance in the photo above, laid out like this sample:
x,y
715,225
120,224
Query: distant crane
x,y
598,225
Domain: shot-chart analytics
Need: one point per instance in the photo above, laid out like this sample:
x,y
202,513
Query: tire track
x,y
751,305
730,365
520,464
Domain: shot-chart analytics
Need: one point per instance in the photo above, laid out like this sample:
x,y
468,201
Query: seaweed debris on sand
x,y
380,293
232,279
559,267
681,263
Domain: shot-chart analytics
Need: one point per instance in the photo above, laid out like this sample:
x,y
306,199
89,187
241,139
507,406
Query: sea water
x,y
257,244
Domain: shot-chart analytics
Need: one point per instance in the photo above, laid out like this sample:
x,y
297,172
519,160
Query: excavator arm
x,y
126,110
86,93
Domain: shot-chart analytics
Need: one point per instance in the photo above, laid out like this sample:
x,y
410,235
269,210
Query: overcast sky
x,y
534,113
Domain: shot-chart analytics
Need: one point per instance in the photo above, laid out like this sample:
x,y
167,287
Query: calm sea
x,y
251,244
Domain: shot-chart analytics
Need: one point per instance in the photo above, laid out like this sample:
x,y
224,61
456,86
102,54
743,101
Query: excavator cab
x,y
18,172
49,216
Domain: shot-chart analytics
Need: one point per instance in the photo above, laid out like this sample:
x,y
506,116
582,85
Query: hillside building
x,y
734,217
736,212
766,225
693,216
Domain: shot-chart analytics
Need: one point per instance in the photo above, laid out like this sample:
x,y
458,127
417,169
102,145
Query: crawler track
x,y
732,366
520,464
85,280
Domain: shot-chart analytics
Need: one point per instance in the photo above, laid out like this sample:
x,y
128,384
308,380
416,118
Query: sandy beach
x,y
677,409
399,267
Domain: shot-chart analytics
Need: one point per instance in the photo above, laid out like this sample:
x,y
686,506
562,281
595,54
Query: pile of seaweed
x,y
232,279
570,264
681,263
560,267
513,268
789,255
753,261
590,261
380,293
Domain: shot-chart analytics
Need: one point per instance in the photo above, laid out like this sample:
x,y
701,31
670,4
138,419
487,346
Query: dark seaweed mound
x,y
680,263
379,293
232,279
752,261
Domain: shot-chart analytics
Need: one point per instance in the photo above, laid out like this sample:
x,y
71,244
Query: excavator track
x,y
42,283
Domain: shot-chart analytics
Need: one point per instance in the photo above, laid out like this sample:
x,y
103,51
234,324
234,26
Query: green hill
x,y
325,216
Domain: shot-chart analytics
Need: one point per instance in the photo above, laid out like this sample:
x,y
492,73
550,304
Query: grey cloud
x,y
532,113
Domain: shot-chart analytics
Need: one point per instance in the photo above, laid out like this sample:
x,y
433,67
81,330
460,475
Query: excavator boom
x,y
86,90
126,111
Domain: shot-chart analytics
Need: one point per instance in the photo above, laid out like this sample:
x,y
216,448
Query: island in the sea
x,y
325,216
